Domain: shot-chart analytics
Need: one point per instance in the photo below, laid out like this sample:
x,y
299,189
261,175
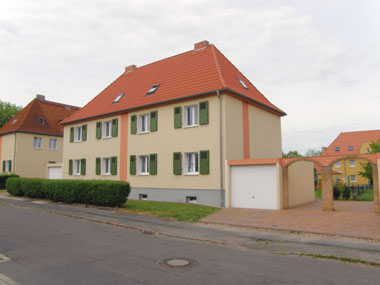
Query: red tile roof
x,y
354,139
28,119
196,72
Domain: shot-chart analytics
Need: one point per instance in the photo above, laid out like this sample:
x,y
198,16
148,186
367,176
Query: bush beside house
x,y
93,192
4,177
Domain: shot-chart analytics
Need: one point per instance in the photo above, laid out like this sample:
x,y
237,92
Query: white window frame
x,y
353,180
77,134
352,163
53,146
76,167
143,123
7,166
143,165
106,166
106,129
337,164
191,163
191,116
37,143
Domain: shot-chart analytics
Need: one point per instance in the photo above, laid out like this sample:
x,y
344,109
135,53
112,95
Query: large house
x,y
33,138
169,127
351,144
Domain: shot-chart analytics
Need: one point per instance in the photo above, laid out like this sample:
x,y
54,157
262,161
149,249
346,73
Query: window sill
x,y
77,141
38,148
143,174
190,126
192,174
142,133
53,149
106,137
106,174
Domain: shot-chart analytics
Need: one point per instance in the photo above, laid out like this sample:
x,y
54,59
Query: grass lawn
x,y
177,211
3,190
363,196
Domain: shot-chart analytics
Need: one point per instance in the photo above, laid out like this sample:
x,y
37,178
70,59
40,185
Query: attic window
x,y
153,89
14,121
350,148
117,99
68,108
337,148
42,121
242,83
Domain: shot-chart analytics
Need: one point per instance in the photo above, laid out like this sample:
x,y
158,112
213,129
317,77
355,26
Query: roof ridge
x,y
57,103
218,68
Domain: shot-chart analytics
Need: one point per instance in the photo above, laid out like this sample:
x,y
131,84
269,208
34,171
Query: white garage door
x,y
254,187
55,173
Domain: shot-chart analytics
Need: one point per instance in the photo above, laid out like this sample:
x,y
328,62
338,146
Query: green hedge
x,y
93,192
4,177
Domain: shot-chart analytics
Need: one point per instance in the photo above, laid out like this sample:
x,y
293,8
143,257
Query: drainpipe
x,y
222,200
14,153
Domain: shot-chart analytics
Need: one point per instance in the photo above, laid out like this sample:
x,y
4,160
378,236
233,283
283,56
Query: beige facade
x,y
90,149
301,183
27,160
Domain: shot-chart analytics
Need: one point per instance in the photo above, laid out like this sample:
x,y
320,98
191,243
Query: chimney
x,y
40,97
130,68
201,45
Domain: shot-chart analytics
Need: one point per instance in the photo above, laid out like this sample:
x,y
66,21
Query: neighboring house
x,y
336,175
351,144
33,138
168,128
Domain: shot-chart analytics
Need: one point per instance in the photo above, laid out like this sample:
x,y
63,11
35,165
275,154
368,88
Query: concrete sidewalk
x,y
273,241
350,219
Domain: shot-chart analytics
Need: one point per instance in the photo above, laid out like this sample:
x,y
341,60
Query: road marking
x,y
4,280
40,202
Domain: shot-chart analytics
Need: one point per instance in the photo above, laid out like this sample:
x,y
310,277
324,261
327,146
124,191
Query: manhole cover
x,y
178,263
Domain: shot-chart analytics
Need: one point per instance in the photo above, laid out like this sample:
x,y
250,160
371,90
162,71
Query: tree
x,y
291,153
7,111
312,152
367,166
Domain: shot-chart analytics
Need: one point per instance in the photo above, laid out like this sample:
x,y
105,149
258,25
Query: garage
x,y
55,172
255,187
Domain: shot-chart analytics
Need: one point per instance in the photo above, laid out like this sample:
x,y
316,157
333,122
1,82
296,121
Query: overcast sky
x,y
319,61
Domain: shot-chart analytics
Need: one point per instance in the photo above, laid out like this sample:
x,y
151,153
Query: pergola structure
x,y
326,163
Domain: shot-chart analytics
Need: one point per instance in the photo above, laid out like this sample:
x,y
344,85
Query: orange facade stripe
x,y
123,147
245,130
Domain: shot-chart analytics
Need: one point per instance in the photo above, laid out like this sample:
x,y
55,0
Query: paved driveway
x,y
350,218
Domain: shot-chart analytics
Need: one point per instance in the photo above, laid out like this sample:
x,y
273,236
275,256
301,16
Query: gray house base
x,y
192,196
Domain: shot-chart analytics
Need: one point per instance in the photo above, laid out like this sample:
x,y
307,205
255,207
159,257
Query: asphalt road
x,y
51,249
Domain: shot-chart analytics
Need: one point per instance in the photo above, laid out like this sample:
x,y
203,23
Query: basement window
x,y
117,99
153,89
242,83
143,197
191,199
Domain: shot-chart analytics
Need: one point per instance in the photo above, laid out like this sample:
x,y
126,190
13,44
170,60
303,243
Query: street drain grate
x,y
178,263
3,258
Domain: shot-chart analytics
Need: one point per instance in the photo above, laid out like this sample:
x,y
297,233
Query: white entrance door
x,y
55,173
254,187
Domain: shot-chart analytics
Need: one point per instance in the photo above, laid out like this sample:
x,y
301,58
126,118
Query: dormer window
x,y
350,148
14,121
117,99
42,121
337,148
242,83
153,89
68,108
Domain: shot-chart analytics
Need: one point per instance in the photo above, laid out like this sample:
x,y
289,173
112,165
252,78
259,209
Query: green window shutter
x,y
114,165
205,162
133,124
10,166
72,134
132,165
70,167
83,166
3,165
98,130
153,121
114,127
177,117
153,164
84,132
203,113
97,168
177,163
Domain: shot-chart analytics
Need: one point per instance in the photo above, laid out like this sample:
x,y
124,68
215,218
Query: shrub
x,y
336,192
4,177
346,192
94,192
